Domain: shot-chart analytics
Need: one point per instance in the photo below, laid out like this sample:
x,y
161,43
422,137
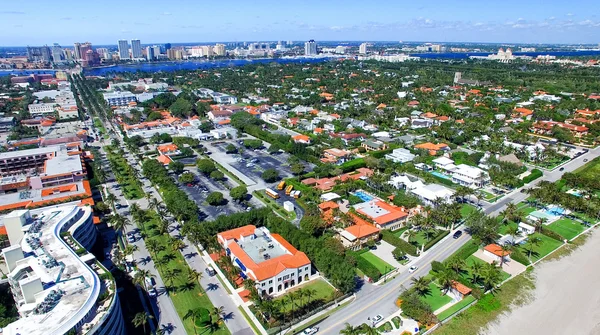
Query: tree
x,y
368,330
194,314
297,169
230,149
176,167
141,319
446,279
238,193
350,330
217,175
187,178
181,108
456,264
205,166
491,276
270,175
421,286
170,275
194,276
215,198
140,277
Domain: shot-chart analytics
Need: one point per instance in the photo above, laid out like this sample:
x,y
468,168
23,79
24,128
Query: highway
x,y
372,300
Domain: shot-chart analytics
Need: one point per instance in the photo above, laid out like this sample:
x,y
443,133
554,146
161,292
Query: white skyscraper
x,y
363,49
150,53
136,49
123,49
310,48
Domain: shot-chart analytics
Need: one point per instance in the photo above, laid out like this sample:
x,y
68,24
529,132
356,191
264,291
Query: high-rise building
x,y
123,49
136,49
57,53
77,50
39,54
68,54
363,49
166,46
156,50
219,49
150,53
310,48
84,48
103,53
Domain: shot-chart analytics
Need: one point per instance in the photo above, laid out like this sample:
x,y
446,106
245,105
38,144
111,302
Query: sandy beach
x,y
566,299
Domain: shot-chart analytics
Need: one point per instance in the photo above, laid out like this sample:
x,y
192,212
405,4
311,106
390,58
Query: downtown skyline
x,y
180,22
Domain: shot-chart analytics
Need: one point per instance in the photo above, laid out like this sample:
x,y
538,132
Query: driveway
x,y
511,267
384,251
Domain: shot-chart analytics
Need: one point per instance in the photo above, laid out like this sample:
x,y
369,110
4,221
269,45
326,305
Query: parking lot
x,y
203,186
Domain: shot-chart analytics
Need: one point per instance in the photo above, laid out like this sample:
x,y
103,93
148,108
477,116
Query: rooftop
x,y
67,280
262,248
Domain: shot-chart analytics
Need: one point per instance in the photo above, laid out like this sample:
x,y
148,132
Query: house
x,y
165,160
303,139
327,210
372,145
168,149
433,149
444,163
470,176
221,98
523,112
216,115
459,291
326,184
336,156
400,155
421,123
349,137
496,253
268,259
545,128
382,214
357,235
428,193
526,229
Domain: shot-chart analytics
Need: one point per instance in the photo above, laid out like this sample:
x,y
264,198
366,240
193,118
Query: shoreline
x,y
564,297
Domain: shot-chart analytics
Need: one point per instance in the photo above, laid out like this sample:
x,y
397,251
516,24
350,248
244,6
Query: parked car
x,y
457,234
413,269
377,318
130,238
561,169
210,271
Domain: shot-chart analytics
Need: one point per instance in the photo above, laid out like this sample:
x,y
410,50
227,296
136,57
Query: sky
x,y
38,22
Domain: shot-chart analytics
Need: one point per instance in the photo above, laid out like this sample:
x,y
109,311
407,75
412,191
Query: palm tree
x,y
134,209
148,197
539,224
193,314
153,204
309,294
140,277
217,312
491,276
476,269
119,223
457,265
446,280
154,246
505,249
291,297
141,319
513,231
368,330
421,286
194,276
350,330
130,249
214,325
111,198
532,241
169,276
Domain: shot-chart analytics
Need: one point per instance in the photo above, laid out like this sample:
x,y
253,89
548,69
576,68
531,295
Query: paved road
x,y
372,300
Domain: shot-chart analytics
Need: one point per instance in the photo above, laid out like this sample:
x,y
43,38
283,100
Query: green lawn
x,y
466,210
435,299
455,308
185,296
379,263
471,260
567,228
400,231
504,227
130,185
547,246
525,208
419,239
323,291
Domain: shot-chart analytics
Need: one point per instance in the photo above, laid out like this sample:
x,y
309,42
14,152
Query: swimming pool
x,y
441,175
555,210
363,196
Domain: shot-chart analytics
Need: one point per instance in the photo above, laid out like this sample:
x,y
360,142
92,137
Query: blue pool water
x,y
363,196
556,211
441,175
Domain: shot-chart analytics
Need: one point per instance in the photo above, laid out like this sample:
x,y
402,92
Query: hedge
x,y
552,234
390,238
367,268
436,239
444,181
535,174
353,165
381,153
518,256
466,250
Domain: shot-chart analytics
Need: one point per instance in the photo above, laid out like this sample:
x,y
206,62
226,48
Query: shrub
x,y
437,266
367,268
552,234
535,174
398,254
467,250
518,256
353,200
390,238
436,239
215,198
270,175
353,165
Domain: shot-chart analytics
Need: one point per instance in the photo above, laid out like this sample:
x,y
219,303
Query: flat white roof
x,y
29,152
63,164
69,273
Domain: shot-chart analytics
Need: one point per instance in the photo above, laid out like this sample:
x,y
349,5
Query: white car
x,y
377,318
310,331
413,269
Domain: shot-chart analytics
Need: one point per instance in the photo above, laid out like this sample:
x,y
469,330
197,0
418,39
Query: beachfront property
x,y
400,155
57,289
495,252
268,259
429,194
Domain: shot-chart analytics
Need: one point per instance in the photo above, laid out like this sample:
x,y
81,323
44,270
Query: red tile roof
x,y
496,250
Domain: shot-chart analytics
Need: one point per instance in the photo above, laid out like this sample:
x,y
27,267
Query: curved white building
x,y
57,285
